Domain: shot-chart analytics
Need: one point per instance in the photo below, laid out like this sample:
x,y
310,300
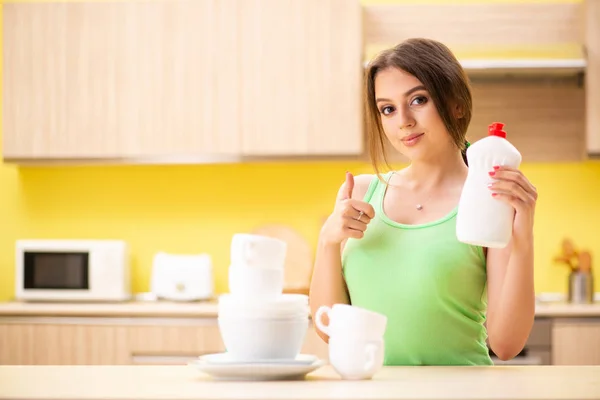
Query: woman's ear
x,y
458,112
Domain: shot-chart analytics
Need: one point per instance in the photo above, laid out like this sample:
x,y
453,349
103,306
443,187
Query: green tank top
x,y
431,287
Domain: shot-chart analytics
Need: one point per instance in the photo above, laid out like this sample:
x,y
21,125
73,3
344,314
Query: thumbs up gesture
x,y
349,218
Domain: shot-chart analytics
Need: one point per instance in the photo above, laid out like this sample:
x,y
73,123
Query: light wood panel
x,y
35,115
545,120
167,79
47,344
173,342
103,341
475,24
576,342
592,80
117,341
301,77
124,79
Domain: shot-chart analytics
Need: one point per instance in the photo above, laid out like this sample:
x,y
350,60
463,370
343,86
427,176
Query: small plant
x,y
577,261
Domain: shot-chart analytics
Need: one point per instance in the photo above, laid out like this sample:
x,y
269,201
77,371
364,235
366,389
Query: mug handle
x,y
247,252
319,322
370,351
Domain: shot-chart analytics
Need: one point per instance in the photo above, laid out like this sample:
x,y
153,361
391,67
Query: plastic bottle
x,y
482,219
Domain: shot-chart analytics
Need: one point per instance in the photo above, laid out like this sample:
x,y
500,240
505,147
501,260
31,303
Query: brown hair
x,y
434,64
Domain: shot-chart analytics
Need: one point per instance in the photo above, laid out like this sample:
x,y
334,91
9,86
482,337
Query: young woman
x,y
390,243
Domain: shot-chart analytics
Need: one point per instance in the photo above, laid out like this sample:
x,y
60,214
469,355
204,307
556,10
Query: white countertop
x,y
184,382
209,309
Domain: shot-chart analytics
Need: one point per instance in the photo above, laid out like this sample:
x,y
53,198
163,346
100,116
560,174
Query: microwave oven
x,y
72,270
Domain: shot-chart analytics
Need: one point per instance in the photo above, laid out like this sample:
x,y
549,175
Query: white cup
x,y
356,359
257,251
352,322
258,284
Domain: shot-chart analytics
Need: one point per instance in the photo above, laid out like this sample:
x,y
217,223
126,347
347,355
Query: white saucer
x,y
225,358
266,371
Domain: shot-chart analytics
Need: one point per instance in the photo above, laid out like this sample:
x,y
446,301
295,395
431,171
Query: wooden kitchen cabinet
x,y
163,79
120,79
301,78
62,344
117,341
108,341
165,343
576,342
592,78
178,344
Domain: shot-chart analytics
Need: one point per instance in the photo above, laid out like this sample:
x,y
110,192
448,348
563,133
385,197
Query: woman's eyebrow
x,y
408,92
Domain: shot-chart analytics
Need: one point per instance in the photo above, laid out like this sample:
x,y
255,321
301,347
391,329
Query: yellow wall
x,y
198,208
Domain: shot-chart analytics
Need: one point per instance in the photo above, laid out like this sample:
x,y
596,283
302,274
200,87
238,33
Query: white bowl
x,y
254,339
286,305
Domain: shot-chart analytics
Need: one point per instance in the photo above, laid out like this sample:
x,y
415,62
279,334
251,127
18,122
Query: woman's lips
x,y
412,140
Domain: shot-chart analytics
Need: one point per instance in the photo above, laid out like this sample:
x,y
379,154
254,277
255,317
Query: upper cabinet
x,y
125,79
533,65
234,80
301,77
592,47
487,35
180,80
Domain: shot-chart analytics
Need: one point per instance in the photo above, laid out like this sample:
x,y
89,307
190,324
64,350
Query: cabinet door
x,y
592,76
57,344
124,79
173,343
576,342
301,77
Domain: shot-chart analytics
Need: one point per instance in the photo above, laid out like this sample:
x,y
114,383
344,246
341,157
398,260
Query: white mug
x,y
356,359
350,321
250,250
256,283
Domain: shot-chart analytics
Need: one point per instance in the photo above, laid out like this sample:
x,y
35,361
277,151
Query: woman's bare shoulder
x,y
361,185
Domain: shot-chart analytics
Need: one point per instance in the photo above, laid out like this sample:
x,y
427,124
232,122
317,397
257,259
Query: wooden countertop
x,y
560,309
208,309
184,382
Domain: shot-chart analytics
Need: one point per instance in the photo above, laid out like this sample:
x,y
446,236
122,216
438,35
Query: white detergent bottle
x,y
482,219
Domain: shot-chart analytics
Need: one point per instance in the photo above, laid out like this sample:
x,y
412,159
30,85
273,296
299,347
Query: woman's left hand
x,y
512,187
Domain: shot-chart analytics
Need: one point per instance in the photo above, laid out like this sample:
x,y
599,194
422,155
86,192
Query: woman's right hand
x,y
349,218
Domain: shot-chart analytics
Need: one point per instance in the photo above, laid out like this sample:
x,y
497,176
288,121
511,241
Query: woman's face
x,y
409,117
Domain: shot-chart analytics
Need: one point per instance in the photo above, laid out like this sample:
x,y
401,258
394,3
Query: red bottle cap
x,y
495,129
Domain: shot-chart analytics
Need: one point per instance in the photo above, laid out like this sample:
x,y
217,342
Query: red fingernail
x,y
496,167
494,194
492,173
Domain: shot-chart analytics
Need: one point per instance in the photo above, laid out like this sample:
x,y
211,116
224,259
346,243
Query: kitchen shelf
x,y
543,66
551,66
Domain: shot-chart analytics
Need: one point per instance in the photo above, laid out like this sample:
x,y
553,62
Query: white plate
x,y
256,372
225,358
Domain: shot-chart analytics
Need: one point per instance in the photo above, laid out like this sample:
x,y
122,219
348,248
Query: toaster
x,y
182,277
